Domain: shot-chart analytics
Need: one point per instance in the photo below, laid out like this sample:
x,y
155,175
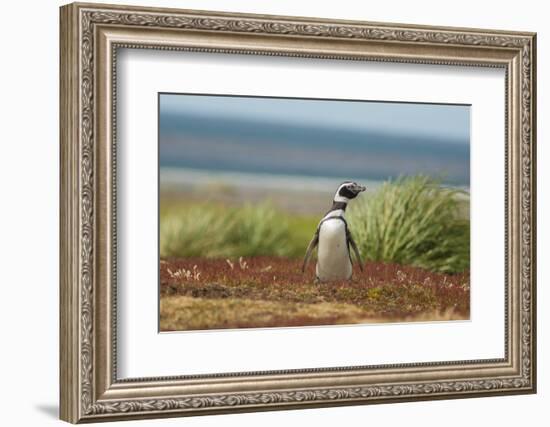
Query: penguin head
x,y
348,190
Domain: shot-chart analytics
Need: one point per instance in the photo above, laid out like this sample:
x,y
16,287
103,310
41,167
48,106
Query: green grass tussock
x,y
215,231
413,221
410,221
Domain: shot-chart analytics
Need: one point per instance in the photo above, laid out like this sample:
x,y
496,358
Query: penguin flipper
x,y
355,249
310,248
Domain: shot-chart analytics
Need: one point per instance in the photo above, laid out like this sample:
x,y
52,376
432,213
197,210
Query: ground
x,y
201,293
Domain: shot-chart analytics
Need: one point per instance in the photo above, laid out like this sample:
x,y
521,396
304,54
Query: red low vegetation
x,y
383,289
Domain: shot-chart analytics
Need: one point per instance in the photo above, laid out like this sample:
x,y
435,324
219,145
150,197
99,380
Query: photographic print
x,y
278,212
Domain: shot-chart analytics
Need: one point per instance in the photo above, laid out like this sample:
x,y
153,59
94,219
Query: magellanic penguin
x,y
334,238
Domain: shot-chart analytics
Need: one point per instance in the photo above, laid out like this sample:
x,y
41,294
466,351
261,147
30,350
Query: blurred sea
x,y
297,151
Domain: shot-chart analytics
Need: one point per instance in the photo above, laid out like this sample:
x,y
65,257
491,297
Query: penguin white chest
x,y
333,261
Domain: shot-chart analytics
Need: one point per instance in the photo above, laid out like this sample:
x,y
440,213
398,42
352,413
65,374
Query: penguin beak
x,y
359,188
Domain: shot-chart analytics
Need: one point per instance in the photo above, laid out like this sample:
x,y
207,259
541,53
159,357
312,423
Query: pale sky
x,y
448,123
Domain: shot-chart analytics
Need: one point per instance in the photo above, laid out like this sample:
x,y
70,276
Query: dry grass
x,y
198,293
189,313
203,313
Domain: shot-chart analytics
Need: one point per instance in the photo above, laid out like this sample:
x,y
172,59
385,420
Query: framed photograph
x,y
267,212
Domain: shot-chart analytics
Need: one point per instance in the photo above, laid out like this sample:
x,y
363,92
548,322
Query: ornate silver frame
x,y
90,36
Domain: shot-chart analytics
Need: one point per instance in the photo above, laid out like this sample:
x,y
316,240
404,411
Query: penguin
x,y
334,238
